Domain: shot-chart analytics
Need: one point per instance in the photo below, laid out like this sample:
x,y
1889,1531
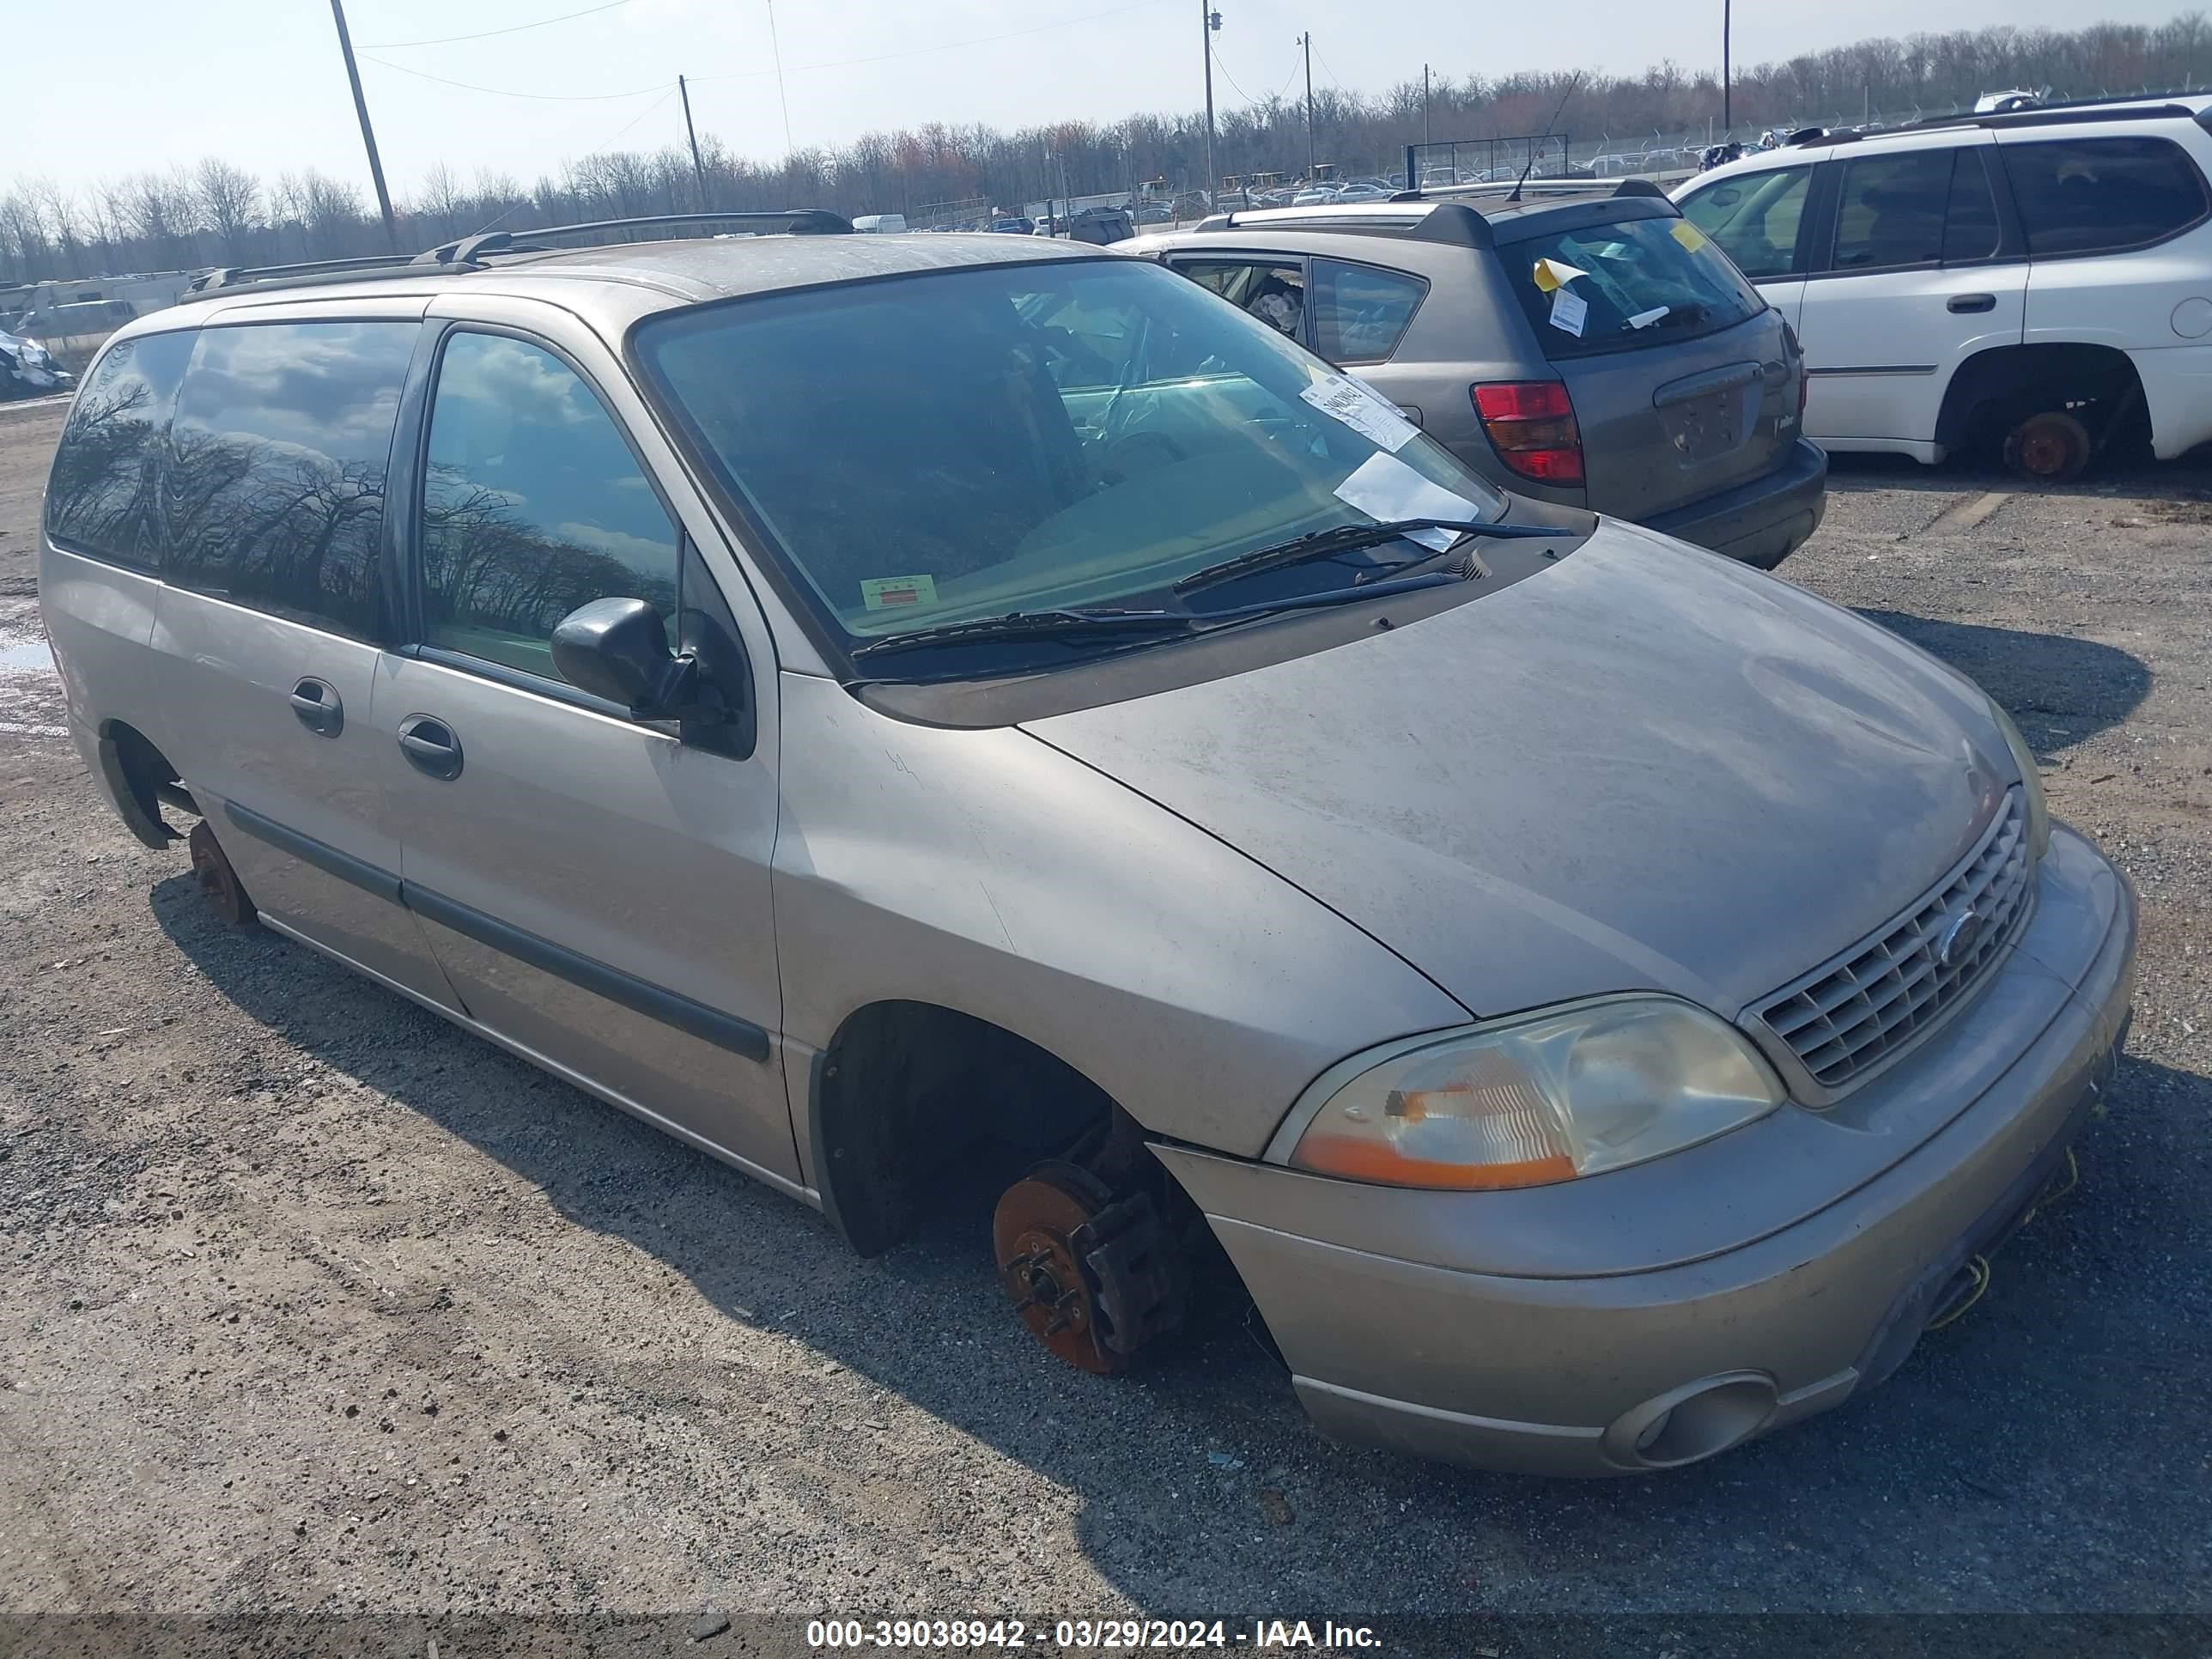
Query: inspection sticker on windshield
x,y
1363,409
891,592
1569,312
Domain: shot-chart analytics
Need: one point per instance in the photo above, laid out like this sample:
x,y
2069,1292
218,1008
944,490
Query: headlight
x,y
1543,1097
2031,780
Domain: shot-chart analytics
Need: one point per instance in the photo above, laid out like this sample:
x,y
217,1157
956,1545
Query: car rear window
x,y
1625,287
2086,195
103,497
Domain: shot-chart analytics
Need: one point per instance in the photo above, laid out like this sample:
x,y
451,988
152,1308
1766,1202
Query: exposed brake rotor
x,y
218,882
1093,1278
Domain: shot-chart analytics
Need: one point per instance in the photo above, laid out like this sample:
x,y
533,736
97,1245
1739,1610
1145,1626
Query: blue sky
x,y
260,81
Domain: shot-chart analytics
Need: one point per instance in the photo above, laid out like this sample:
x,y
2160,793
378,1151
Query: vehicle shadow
x,y
2187,479
2058,689
2024,1457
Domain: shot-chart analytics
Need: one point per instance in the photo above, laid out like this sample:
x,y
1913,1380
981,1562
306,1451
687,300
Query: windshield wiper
x,y
1068,623
1345,539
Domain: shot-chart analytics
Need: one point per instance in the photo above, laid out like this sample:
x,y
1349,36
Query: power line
x,y
1231,79
667,93
504,92
486,34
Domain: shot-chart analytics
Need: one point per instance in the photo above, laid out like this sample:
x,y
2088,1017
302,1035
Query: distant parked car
x,y
1014,227
886,223
78,327
1591,350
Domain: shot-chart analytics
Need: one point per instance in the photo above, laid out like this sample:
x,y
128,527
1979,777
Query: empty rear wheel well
x,y
1994,391
906,1087
141,778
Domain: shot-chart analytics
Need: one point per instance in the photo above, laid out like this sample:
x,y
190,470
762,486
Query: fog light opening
x,y
1692,1422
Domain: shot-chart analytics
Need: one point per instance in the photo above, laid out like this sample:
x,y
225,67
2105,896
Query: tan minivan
x,y
862,703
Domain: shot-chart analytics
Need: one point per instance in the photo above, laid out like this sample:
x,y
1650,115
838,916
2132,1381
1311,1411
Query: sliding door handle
x,y
1973,302
430,747
315,702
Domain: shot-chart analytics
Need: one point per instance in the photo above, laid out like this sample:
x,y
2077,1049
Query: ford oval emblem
x,y
1958,940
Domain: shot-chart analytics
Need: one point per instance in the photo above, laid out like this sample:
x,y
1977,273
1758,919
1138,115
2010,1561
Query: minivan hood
x,y
1645,768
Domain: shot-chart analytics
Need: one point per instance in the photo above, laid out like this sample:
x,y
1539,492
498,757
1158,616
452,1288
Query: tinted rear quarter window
x,y
103,497
2089,195
1629,286
278,456
1359,312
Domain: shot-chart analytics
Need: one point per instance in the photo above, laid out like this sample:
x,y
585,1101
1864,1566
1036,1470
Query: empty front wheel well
x,y
905,1088
140,778
1994,391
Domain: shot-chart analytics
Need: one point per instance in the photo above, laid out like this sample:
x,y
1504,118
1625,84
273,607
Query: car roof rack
x,y
795,221
1454,224
468,252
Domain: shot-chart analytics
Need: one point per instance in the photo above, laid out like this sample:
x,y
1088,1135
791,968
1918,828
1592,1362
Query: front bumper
x,y
1654,1316
1762,522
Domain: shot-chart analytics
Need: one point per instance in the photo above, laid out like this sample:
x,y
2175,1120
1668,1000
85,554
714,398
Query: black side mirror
x,y
618,649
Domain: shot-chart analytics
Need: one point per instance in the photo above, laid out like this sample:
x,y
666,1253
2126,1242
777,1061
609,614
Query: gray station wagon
x,y
1592,350
879,705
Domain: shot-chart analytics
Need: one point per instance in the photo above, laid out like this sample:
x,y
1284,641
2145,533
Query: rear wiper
x,y
1345,539
1068,623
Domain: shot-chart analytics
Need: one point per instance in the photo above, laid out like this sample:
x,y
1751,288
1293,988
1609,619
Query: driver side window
x,y
1754,218
532,505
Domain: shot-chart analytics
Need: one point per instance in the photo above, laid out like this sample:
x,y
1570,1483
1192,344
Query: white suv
x,y
2043,277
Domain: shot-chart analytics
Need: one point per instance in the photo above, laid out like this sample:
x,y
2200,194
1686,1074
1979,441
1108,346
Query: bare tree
x,y
229,200
442,201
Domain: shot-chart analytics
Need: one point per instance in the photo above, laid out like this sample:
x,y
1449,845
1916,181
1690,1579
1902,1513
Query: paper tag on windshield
x,y
1363,409
893,592
1385,488
1569,312
1551,275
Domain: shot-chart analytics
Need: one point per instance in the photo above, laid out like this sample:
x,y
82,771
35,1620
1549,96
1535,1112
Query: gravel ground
x,y
314,1302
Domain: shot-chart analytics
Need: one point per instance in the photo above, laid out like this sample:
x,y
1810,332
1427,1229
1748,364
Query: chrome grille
x,y
1857,1013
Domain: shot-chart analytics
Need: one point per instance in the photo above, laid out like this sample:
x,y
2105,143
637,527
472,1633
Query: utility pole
x,y
1306,41
1208,20
698,169
368,132
1410,184
1727,120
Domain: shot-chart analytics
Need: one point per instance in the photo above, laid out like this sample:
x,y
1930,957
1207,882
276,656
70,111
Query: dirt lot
x,y
313,1302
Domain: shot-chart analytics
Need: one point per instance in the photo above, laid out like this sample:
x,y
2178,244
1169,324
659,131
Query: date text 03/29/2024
x,y
1261,1635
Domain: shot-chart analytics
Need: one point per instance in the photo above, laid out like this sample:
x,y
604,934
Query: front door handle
x,y
430,747
316,704
1973,302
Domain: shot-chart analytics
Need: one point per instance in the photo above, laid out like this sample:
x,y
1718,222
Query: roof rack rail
x,y
797,221
466,253
228,276
2136,107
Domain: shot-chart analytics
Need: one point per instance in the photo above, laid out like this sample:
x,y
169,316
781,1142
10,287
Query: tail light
x,y
1531,424
1794,354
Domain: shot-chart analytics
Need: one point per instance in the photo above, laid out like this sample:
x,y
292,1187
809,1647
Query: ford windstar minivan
x,y
862,703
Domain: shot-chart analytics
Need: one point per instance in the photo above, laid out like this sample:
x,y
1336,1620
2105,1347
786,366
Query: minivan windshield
x,y
970,444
